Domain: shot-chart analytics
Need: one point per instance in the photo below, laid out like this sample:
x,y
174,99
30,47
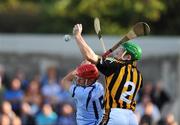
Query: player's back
x,y
123,80
89,103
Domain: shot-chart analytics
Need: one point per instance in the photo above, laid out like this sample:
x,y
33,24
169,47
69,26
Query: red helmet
x,y
87,71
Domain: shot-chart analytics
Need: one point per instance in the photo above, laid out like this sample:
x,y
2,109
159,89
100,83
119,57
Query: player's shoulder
x,y
73,86
112,59
98,85
98,90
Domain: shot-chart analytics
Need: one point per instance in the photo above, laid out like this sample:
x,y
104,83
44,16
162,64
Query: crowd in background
x,y
42,101
39,101
154,105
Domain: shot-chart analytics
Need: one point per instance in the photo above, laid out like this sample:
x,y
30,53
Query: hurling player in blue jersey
x,y
87,92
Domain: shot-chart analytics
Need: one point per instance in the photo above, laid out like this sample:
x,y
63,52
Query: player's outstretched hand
x,y
77,30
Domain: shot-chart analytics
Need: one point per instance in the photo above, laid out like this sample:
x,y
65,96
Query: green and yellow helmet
x,y
133,49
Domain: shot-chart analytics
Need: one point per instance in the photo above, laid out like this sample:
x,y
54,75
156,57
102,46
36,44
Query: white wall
x,y
55,44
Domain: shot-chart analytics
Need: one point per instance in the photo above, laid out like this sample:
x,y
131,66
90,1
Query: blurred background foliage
x,y
117,16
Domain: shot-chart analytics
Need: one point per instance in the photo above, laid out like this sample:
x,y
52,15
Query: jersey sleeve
x,y
107,66
98,91
72,89
101,90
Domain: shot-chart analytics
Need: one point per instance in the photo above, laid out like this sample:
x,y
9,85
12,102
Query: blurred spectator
x,y
22,77
16,121
2,90
160,97
7,109
146,120
47,116
51,74
51,88
64,95
168,120
33,96
146,90
4,78
26,115
14,95
4,120
148,110
51,91
37,77
67,116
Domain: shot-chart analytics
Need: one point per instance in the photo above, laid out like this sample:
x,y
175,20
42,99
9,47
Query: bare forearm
x,y
86,51
67,80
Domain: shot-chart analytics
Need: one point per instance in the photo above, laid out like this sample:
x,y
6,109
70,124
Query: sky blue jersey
x,y
89,103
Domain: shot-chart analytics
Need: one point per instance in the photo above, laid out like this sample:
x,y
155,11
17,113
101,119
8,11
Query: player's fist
x,y
77,30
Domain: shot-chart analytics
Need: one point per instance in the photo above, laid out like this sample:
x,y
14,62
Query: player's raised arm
x,y
86,51
66,82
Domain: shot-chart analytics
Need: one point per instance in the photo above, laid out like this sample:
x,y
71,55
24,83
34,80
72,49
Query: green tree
x,y
59,16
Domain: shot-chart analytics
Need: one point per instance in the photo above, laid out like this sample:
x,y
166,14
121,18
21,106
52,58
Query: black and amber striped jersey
x,y
123,80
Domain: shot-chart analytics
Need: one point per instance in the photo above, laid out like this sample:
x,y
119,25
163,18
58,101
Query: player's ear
x,y
127,57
